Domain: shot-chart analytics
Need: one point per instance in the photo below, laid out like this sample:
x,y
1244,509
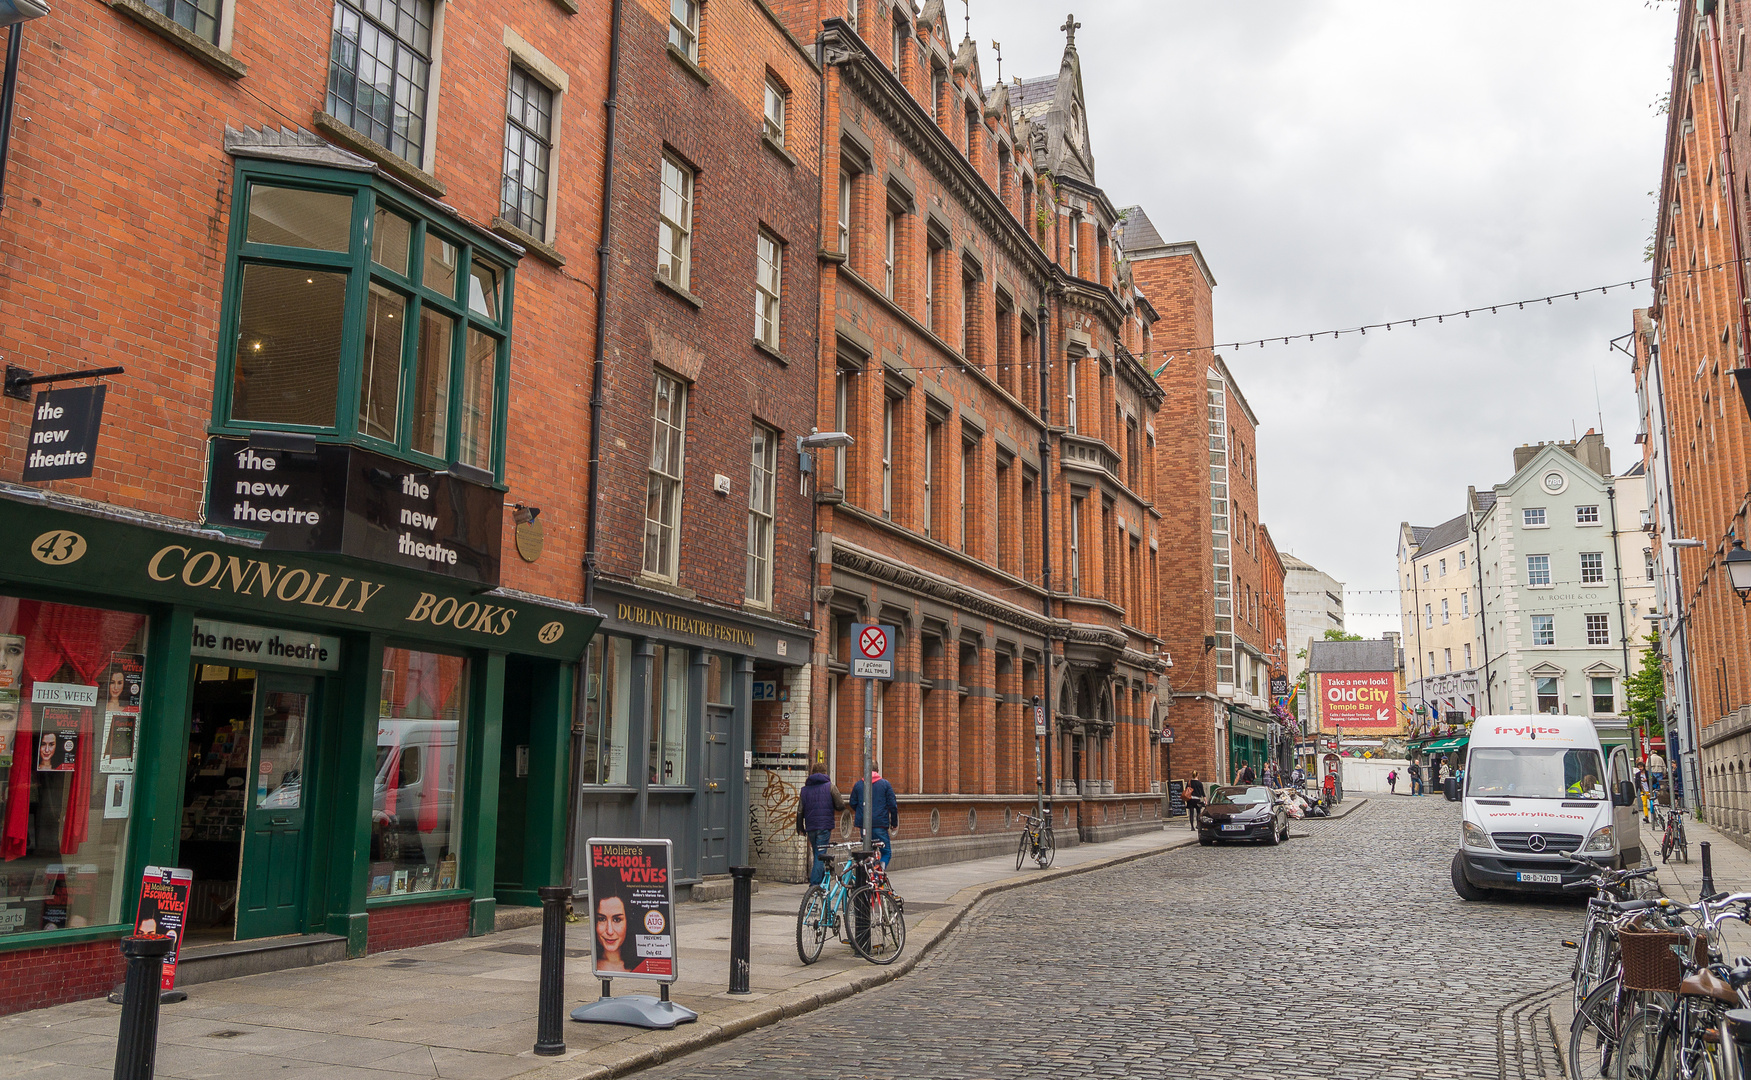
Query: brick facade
x,y
932,520
1692,342
405,925
38,978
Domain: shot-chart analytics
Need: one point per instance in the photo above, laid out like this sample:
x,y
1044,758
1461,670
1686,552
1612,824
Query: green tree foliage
x,y
1339,635
1643,690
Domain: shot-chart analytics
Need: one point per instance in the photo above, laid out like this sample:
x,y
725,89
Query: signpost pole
x,y
868,777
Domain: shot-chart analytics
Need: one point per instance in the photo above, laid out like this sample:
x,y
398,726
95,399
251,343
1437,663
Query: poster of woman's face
x,y
11,665
122,686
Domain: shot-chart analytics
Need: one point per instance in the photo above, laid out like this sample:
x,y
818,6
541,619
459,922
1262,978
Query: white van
x,y
1536,788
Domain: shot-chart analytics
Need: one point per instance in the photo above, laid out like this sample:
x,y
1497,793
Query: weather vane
x,y
997,47
969,17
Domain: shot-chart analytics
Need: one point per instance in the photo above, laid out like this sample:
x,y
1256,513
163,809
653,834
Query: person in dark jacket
x,y
1194,798
887,811
1246,775
817,809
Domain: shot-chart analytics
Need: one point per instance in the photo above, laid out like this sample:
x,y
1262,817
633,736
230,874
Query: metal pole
x,y
9,101
868,807
741,927
137,1041
1045,316
1708,872
550,1014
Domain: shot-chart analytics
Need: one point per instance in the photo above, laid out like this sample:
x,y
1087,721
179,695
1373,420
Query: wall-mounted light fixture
x,y
1739,570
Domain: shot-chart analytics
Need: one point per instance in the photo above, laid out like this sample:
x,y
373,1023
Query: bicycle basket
x,y
1648,960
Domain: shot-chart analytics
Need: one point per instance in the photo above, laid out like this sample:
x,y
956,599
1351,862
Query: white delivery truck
x,y
1538,787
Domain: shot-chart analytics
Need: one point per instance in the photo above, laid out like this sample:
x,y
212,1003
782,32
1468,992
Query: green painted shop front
x,y
320,739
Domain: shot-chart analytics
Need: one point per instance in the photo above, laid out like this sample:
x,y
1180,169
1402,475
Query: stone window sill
x,y
570,7
778,148
691,298
691,68
545,252
827,255
360,143
198,47
772,352
663,585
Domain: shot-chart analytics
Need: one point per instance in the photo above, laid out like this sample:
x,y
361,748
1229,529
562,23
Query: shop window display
x,y
416,828
668,716
71,683
607,710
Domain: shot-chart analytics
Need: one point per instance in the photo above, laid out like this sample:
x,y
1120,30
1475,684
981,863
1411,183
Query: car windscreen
x,y
1242,796
1528,772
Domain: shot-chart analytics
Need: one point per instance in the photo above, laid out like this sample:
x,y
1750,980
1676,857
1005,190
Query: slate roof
x,y
1033,91
1379,655
1137,232
1444,535
1640,468
1485,499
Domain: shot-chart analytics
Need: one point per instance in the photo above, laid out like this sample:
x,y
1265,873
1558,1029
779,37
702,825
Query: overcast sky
x,y
1343,162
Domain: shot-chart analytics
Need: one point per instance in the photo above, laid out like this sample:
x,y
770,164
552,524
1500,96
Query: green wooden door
x,y
271,885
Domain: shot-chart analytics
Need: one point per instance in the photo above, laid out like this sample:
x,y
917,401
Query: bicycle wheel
x,y
887,926
1644,1051
1590,961
1593,1034
811,925
1683,843
1043,854
1021,849
1666,846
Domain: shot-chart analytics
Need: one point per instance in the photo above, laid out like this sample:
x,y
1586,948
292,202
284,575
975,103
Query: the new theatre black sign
x,y
62,444
353,502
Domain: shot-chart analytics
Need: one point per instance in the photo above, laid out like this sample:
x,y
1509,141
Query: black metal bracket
x,y
20,380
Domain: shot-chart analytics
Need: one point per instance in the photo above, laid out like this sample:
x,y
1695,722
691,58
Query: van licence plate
x,y
1538,879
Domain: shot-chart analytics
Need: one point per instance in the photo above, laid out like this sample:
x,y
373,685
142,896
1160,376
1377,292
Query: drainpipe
x,y
1045,338
1617,557
1726,180
1483,624
9,100
612,108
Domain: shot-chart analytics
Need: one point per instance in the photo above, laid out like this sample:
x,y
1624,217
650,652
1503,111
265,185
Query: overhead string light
x,y
1440,319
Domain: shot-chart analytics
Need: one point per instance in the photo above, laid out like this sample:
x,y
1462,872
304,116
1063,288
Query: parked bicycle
x,y
1697,1034
869,917
1672,838
1036,841
1596,950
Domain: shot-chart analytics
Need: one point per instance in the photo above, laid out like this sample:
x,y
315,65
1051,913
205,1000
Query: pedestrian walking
x,y
1416,779
1392,781
1194,798
1331,789
1246,775
817,809
886,813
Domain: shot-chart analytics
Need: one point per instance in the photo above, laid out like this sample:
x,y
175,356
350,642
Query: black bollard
x,y
741,927
137,1041
860,906
550,1020
1708,872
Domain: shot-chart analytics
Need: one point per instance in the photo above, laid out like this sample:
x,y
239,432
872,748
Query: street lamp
x,y
1739,570
1684,542
17,11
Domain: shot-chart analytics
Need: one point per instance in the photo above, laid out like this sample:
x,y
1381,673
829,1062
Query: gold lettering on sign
x,y
473,615
682,624
205,569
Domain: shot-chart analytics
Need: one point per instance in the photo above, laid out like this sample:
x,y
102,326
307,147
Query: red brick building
x,y
1690,373
1216,595
330,551
963,242
702,565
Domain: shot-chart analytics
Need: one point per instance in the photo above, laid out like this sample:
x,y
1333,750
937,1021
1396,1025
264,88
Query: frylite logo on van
x,y
1529,729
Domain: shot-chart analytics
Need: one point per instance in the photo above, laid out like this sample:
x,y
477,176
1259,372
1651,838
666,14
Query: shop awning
x,y
1447,744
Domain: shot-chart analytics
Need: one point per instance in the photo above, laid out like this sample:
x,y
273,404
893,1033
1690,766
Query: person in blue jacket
x,y
818,808
887,812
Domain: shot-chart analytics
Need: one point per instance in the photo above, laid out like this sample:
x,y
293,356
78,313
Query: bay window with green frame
x,y
355,313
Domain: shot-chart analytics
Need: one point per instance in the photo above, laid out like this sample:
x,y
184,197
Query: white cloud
x,y
1346,161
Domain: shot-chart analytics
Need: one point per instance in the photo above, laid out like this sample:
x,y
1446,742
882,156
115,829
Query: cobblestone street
x,y
1341,954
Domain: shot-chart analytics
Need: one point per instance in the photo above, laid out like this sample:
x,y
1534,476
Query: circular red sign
x,y
872,642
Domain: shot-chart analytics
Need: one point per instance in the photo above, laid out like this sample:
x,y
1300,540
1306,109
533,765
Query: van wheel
x,y
1462,886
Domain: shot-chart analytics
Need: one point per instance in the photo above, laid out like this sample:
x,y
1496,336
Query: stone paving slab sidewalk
x,y
466,1009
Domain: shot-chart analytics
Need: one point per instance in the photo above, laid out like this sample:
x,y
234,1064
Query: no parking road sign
x,y
872,651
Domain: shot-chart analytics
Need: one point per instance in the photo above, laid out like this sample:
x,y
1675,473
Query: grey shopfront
x,y
664,733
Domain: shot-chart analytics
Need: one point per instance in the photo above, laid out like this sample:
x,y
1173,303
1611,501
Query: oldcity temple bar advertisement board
x,y
354,502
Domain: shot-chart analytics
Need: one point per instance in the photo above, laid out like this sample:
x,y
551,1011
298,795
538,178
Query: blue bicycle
x,y
830,909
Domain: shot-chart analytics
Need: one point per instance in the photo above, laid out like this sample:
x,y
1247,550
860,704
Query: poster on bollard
x,y
163,905
632,909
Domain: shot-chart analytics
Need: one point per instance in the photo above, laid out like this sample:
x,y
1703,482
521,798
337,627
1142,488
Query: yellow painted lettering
x,y
189,571
303,578
366,591
421,610
316,587
152,567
